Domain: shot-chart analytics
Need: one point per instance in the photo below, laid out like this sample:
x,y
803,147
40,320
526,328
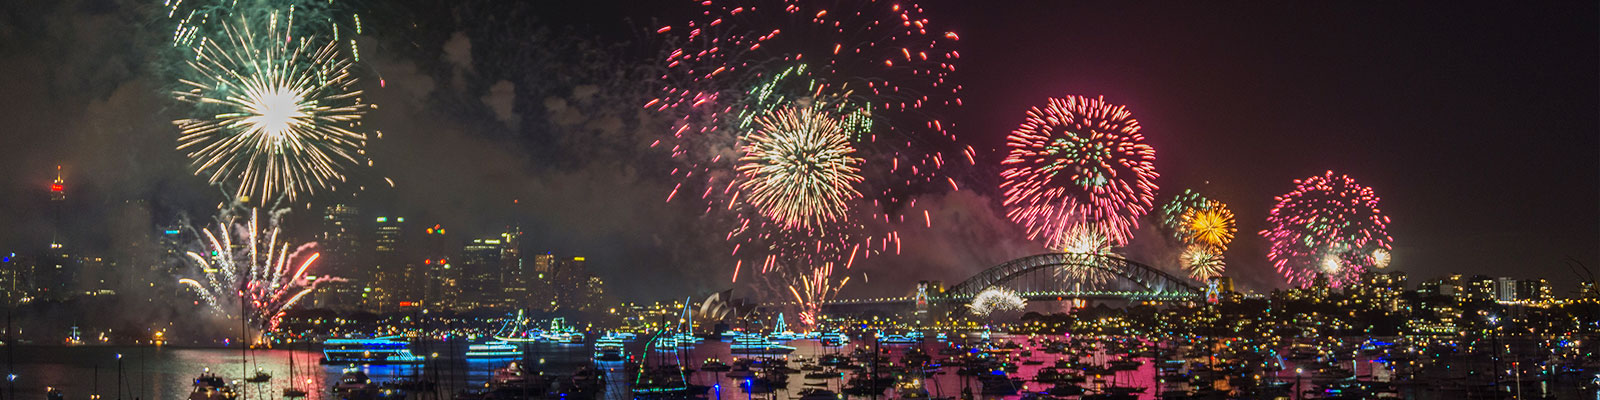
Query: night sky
x,y
1478,125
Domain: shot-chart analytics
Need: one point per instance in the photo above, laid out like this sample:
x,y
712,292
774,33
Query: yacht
x,y
209,386
755,344
493,349
383,350
354,384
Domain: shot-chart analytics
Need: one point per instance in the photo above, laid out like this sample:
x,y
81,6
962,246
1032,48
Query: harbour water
x,y
167,373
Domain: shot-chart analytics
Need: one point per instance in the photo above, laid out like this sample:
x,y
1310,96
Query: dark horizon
x,y
1477,125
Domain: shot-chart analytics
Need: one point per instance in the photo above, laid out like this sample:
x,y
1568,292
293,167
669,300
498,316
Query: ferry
x,y
833,339
493,349
755,344
383,350
609,348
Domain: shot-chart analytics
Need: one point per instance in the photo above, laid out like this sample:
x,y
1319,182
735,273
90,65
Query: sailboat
x,y
292,391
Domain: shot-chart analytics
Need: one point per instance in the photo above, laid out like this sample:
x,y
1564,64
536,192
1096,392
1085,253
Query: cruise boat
x,y
755,344
833,339
609,348
383,350
493,349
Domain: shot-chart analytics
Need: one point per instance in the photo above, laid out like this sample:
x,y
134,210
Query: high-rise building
x,y
16,279
1505,289
541,285
340,246
57,271
1479,288
513,273
392,271
443,280
1533,290
569,283
480,265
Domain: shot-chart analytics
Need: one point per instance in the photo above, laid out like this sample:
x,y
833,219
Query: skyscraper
x,y
57,271
513,274
443,280
541,282
392,272
341,248
480,266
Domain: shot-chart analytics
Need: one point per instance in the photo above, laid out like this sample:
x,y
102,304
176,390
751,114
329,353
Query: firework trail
x,y
877,67
1087,244
1202,262
274,115
996,299
1329,226
241,261
194,22
798,170
810,290
1078,161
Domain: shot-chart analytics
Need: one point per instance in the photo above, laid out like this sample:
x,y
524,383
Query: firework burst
x,y
244,268
1171,213
275,116
1212,226
811,289
878,68
798,169
1330,226
1078,161
996,299
1202,262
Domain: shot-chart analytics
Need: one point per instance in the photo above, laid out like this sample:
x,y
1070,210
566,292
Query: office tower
x,y
341,247
392,272
480,264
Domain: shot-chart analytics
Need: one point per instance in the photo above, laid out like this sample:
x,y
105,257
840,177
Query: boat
x,y
819,394
755,344
493,349
260,377
833,339
910,388
383,350
714,365
208,386
354,384
609,349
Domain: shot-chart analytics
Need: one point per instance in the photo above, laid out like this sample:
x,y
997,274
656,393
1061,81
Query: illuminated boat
x,y
755,344
609,349
383,350
493,349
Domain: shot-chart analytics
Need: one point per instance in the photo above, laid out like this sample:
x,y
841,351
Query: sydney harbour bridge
x,y
1049,276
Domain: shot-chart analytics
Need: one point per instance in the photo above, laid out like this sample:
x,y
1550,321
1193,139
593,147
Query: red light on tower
x,y
58,189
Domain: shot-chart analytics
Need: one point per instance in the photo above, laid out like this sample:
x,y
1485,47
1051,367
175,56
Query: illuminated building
x,y
1533,290
541,286
393,274
16,278
513,273
340,246
1380,290
443,280
1505,289
57,270
573,287
480,265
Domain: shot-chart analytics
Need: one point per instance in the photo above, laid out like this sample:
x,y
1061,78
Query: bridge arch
x,y
1147,281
